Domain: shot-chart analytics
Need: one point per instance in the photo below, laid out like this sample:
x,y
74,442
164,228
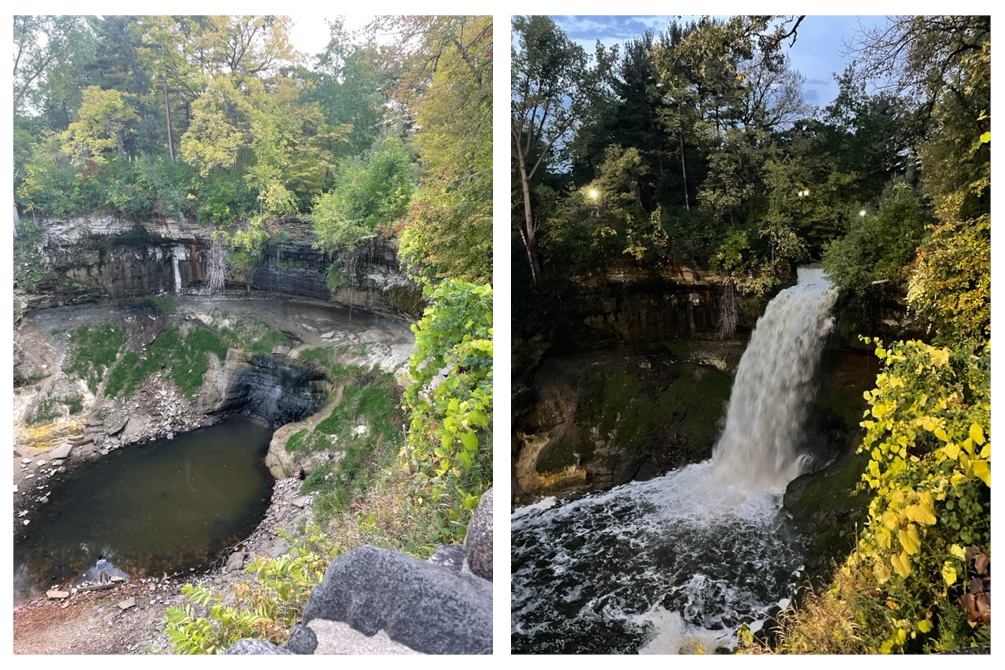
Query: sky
x,y
818,54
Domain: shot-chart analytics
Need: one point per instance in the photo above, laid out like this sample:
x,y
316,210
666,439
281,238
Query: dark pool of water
x,y
161,507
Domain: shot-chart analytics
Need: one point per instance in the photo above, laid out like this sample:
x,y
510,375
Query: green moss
x,y
45,411
95,350
373,403
324,357
696,400
187,361
831,501
296,440
255,336
74,403
163,303
270,341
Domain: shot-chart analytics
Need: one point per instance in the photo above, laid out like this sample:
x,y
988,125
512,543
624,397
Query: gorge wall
x,y
87,259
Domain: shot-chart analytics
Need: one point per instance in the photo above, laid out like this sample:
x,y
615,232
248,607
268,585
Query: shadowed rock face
x,y
276,389
105,258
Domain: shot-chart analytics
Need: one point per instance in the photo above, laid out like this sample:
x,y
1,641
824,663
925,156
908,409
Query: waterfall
x,y
684,559
773,386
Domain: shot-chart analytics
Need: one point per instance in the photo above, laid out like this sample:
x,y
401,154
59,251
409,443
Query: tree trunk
x,y
527,235
167,111
683,170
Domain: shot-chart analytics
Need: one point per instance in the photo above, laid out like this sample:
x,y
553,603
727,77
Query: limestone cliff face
x,y
106,258
625,306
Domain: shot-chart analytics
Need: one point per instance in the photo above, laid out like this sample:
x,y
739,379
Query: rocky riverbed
x,y
127,618
84,426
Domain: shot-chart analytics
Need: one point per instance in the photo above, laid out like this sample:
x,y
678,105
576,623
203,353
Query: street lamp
x,y
861,213
593,194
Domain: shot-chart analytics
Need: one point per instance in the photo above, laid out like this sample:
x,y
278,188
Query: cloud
x,y
608,28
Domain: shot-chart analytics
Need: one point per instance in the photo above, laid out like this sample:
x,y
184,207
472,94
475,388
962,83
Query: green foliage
x,y
928,435
878,245
448,232
450,434
186,361
366,428
372,191
265,608
95,350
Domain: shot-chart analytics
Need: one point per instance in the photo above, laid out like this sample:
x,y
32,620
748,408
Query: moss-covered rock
x,y
597,420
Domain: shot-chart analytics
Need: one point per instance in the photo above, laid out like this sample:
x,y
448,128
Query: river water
x,y
681,561
166,506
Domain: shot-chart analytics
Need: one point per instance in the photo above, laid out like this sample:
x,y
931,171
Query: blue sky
x,y
819,51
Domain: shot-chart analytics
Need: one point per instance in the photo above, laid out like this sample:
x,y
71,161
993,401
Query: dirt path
x,y
94,623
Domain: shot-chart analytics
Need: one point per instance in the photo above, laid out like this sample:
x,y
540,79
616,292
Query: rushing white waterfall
x,y
773,386
664,565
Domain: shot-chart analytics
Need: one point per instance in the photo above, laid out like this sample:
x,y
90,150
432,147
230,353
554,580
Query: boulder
x,y
253,647
301,640
60,452
335,637
417,604
478,542
449,556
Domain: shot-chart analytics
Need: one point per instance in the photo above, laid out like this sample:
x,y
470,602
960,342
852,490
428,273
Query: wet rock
x,y
235,562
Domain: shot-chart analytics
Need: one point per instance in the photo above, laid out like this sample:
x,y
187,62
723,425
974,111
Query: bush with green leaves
x,y
266,607
928,432
450,396
368,192
878,246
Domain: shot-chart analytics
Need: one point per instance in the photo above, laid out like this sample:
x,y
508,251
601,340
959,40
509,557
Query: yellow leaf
x,y
983,470
882,574
891,520
901,564
977,433
941,434
940,356
951,451
925,626
909,539
949,573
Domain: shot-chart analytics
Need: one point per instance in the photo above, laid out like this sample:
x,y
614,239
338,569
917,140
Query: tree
x,y
448,232
42,44
104,123
553,83
370,191
946,62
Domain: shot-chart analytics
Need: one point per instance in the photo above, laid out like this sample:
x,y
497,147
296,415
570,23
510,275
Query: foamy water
x,y
679,562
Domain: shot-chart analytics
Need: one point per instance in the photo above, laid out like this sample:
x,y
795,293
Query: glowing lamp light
x,y
593,193
861,212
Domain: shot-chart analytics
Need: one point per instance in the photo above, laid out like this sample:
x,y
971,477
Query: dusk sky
x,y
818,52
